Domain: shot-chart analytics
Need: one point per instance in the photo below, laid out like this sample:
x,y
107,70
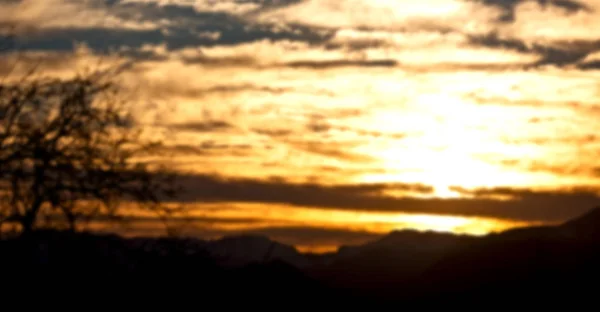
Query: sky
x,y
328,122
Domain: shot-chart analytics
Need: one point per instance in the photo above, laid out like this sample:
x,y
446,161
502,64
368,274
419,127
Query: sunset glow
x,y
348,116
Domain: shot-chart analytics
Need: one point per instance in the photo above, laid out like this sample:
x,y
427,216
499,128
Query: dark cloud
x,y
101,40
216,188
519,193
207,148
510,5
594,65
220,146
566,55
526,204
202,126
342,63
183,28
320,123
173,88
268,5
242,88
309,64
246,61
197,220
495,41
357,44
218,61
376,188
329,149
336,113
318,126
209,228
556,53
313,236
274,132
179,149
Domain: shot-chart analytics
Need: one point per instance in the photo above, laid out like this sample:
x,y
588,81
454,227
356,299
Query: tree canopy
x,y
70,150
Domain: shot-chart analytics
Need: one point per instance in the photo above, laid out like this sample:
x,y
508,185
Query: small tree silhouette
x,y
70,151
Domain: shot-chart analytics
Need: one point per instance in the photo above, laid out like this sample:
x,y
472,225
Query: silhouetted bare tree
x,y
70,150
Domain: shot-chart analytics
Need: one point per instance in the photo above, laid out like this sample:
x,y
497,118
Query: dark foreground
x,y
539,267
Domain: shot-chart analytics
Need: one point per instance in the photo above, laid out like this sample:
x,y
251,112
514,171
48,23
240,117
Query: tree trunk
x,y
28,221
26,228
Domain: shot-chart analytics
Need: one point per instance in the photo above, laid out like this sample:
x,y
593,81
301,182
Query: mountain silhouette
x,y
242,250
537,265
585,227
388,265
528,264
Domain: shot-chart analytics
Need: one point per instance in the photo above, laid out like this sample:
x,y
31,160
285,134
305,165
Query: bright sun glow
x,y
277,104
379,223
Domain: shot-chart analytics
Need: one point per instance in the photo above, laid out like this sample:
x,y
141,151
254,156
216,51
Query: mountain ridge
x,y
243,249
403,266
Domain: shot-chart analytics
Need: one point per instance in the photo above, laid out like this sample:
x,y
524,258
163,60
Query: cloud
x,y
560,21
510,6
557,168
390,15
180,149
518,193
331,150
434,32
203,126
266,54
35,16
275,191
594,65
342,63
591,61
559,54
234,7
524,204
274,132
592,57
218,34
313,237
208,145
304,237
263,53
374,91
242,87
114,25
57,63
319,34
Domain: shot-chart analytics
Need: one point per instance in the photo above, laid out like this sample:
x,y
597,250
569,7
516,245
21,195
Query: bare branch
x,y
68,142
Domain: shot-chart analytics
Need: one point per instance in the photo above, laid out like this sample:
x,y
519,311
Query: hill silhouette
x,y
542,265
585,227
531,265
